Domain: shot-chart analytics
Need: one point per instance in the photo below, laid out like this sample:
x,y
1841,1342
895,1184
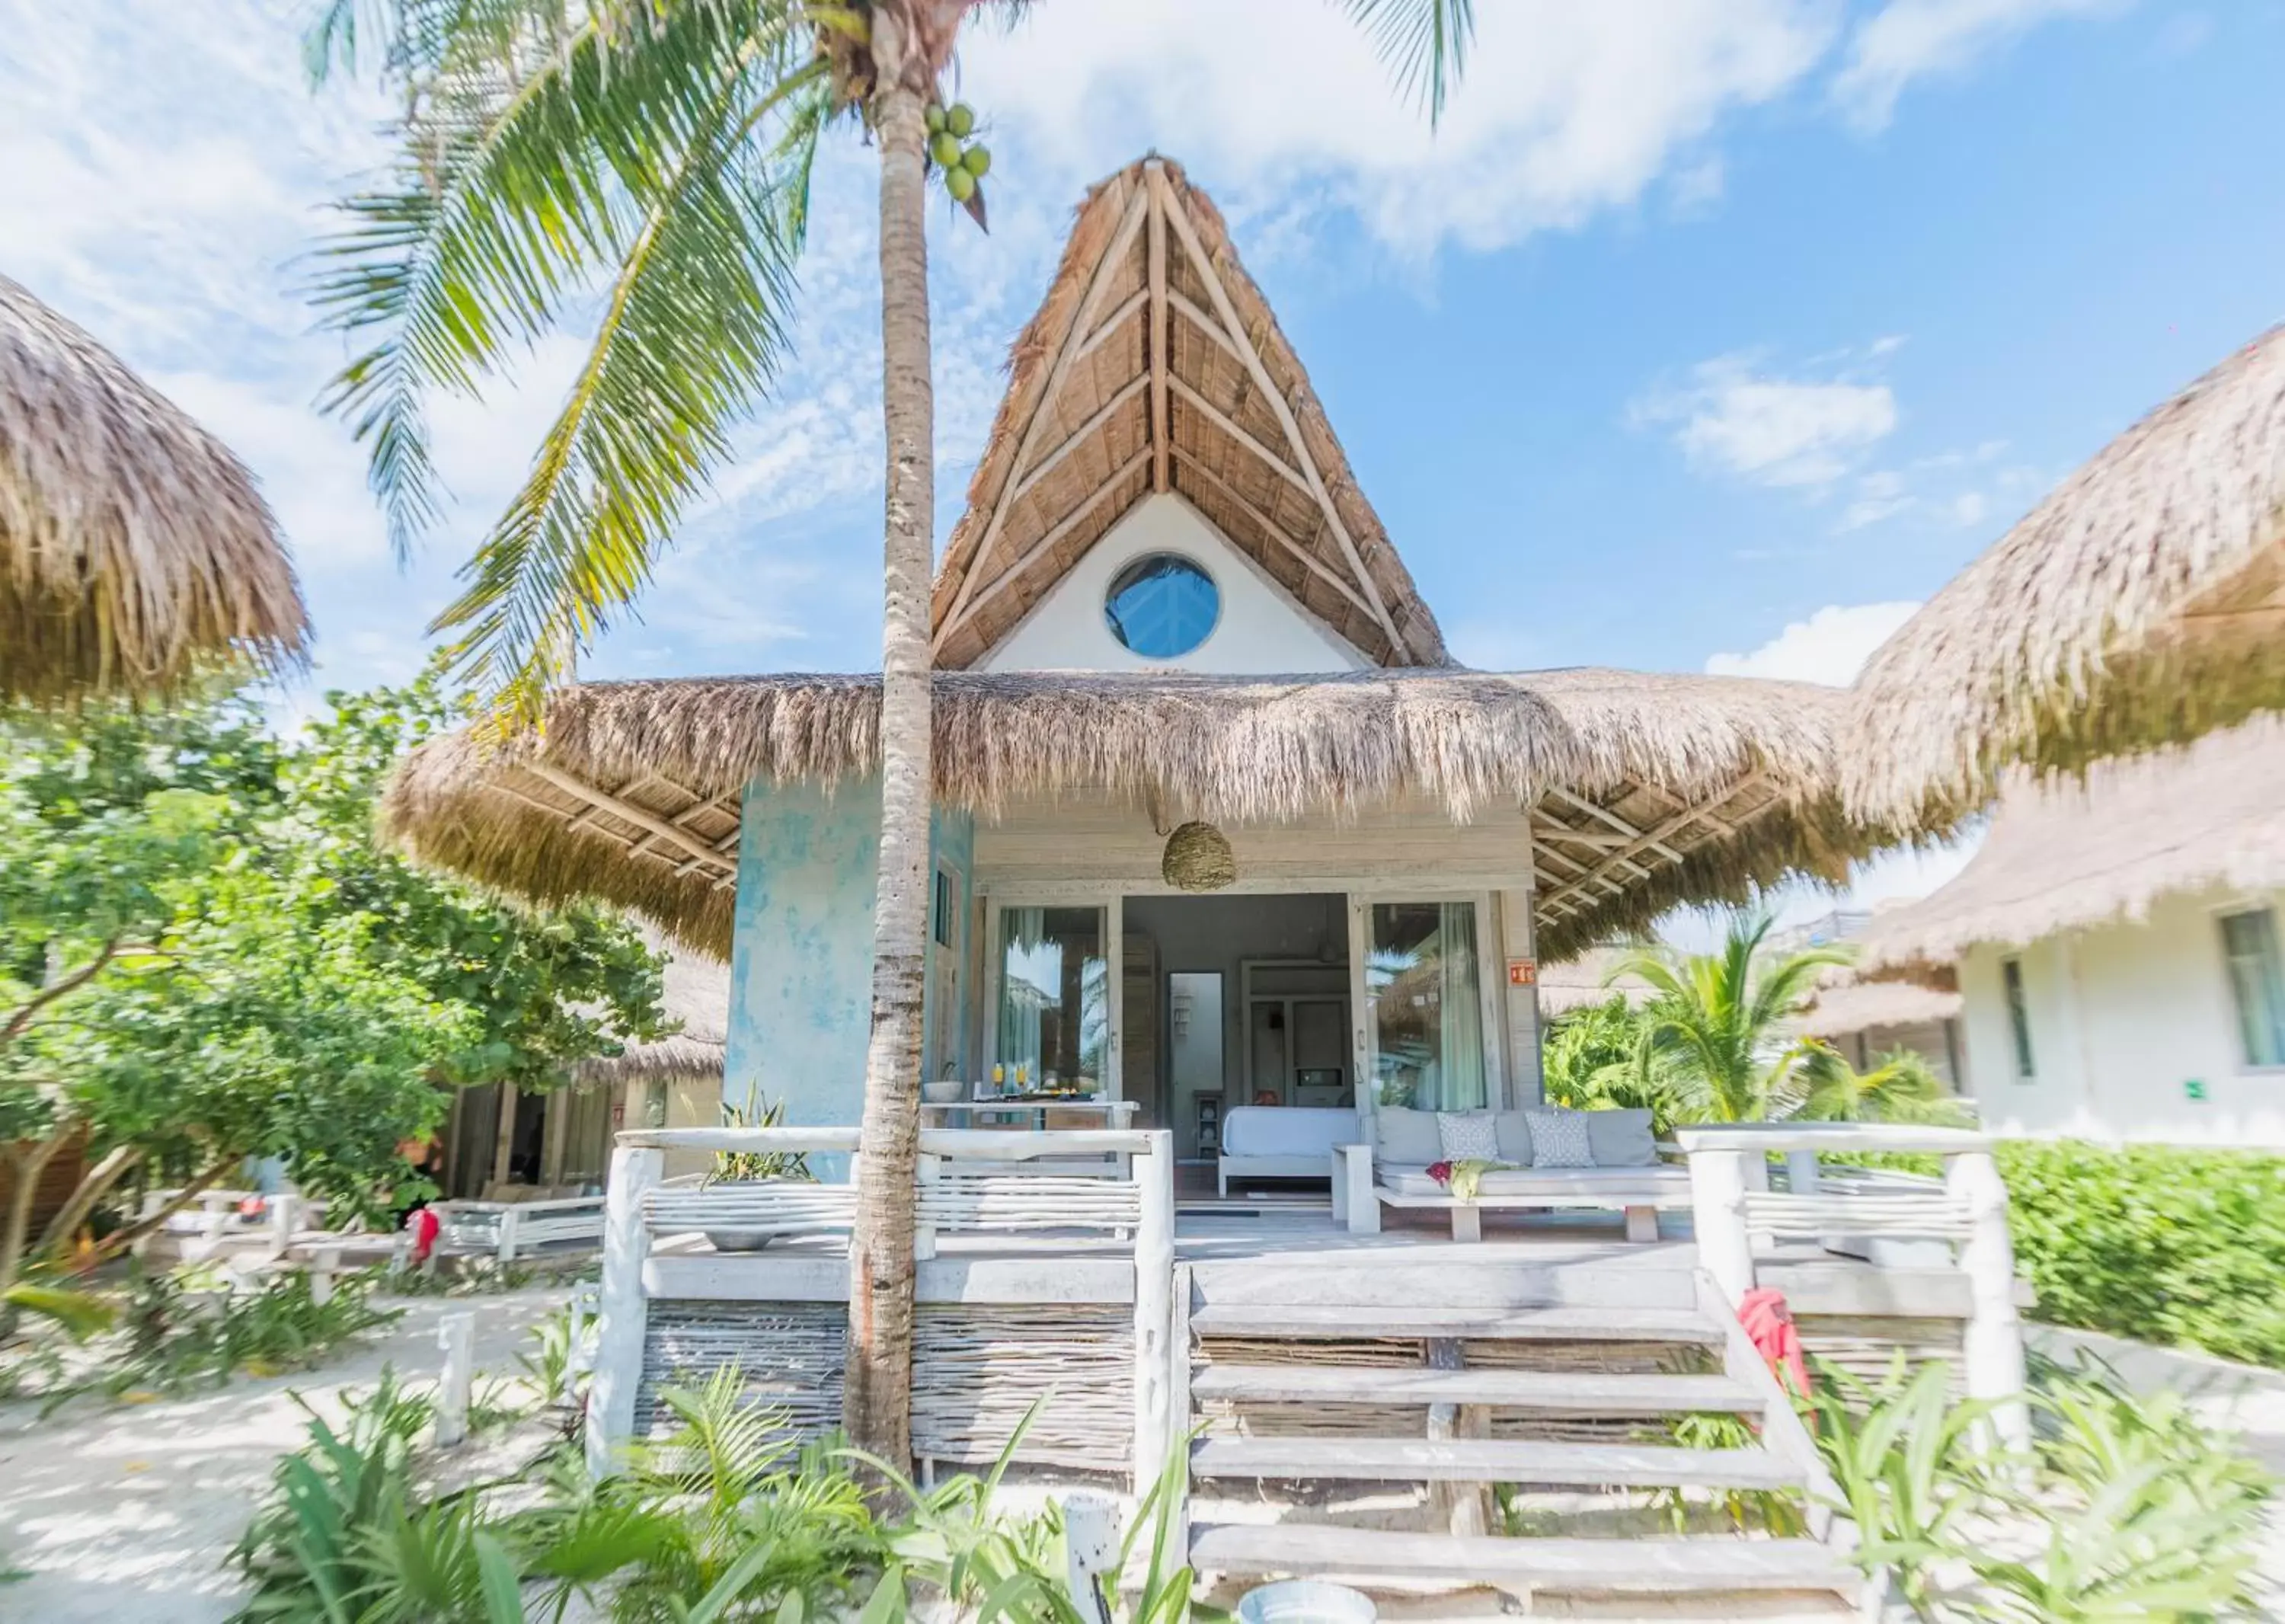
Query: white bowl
x,y
948,1093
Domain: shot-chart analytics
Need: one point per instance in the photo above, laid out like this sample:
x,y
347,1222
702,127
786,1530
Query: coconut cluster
x,y
964,162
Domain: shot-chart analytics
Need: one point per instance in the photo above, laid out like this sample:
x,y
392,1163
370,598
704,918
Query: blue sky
x,y
1705,334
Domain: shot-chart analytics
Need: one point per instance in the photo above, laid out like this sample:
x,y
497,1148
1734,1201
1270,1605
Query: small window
x,y
943,930
2256,983
2019,1016
1162,606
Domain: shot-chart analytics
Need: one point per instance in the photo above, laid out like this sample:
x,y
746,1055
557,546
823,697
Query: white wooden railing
x,y
1088,1184
1738,1215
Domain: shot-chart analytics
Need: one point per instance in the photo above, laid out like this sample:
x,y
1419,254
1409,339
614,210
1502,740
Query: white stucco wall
x,y
1261,630
2122,1019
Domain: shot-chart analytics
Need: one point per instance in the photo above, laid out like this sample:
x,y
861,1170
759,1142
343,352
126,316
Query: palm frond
x,y
1424,43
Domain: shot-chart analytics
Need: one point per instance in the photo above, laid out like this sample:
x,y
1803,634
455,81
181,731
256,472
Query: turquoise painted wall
x,y
801,958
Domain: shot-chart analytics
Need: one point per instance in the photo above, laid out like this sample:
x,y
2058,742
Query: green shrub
x,y
2161,1245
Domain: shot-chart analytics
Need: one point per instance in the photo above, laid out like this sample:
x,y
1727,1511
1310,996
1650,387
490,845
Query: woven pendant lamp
x,y
1197,858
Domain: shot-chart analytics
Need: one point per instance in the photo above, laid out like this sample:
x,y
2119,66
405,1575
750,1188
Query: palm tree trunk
x,y
877,1397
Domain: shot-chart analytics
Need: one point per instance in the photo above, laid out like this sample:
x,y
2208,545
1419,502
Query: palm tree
x,y
662,150
1716,1028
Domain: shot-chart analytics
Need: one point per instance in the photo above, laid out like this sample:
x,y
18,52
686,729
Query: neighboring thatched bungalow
x,y
2141,604
135,550
525,1145
1169,618
1865,1020
2117,946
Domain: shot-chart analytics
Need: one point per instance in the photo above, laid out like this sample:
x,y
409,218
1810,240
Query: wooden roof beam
x,y
1061,527
1235,330
1651,839
1270,528
1066,357
1161,469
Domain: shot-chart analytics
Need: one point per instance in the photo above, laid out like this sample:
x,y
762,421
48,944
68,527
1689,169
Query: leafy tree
x,y
661,152
1594,1060
1715,1030
1901,1086
204,957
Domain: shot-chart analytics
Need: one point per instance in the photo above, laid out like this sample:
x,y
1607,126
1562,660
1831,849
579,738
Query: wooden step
x,y
1584,1391
1492,1460
1673,1567
1335,1320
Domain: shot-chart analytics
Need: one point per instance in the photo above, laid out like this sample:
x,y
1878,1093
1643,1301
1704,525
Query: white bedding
x,y
1286,1130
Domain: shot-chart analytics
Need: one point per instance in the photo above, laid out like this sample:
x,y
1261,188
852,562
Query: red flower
x,y
1441,1172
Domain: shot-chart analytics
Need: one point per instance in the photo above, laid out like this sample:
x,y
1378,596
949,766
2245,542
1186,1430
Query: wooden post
x,y
1993,1344
620,1306
1359,1201
1717,1214
456,1335
1466,1508
927,1172
1179,1418
1154,1292
504,1140
510,1221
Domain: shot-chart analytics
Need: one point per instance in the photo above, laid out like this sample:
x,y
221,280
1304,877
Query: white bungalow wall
x,y
1262,630
2123,1019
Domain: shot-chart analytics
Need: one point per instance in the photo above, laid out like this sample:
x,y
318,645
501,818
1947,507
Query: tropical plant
x,y
1905,1455
1714,1028
745,1166
1595,1060
194,1328
723,1510
665,151
1901,1086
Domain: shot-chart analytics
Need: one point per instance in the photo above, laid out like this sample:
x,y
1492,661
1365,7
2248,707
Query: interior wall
x,y
1219,934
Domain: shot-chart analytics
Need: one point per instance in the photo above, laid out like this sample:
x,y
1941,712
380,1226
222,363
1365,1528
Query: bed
x,y
1282,1142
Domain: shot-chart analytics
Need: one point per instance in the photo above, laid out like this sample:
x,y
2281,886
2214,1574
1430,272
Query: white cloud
x,y
1772,430
1831,647
1909,39
1567,109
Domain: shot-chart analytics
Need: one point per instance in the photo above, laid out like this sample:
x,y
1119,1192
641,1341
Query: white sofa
x,y
1389,1167
1281,1141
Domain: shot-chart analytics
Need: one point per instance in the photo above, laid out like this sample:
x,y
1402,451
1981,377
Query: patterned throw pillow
x,y
1468,1136
1559,1138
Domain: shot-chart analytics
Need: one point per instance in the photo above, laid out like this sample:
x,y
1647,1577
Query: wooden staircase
x,y
1518,1384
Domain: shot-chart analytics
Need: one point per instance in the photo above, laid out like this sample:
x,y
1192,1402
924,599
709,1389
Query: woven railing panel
x,y
790,1355
790,1208
964,1202
1806,1217
977,1368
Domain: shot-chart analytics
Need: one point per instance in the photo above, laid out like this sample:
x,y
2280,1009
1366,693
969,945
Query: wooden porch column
x,y
635,1172
1526,1080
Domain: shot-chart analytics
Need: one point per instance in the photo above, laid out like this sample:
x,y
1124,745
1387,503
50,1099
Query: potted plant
x,y
743,1168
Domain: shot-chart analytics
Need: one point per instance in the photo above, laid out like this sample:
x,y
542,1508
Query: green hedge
x,y
2161,1245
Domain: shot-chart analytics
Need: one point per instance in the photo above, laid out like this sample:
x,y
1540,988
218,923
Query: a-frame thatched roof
x,y
134,548
2141,604
1154,365
2066,855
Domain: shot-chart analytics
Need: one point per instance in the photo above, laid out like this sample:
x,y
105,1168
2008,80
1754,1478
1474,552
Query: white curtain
x,y
1460,1037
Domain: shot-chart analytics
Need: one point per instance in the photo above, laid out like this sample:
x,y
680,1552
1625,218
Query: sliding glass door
x,y
1425,993
1055,1016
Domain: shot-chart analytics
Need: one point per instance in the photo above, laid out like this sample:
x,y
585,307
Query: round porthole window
x,y
1162,606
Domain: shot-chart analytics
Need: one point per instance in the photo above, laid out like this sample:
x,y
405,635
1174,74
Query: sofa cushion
x,y
1467,1135
1514,1131
1559,1138
1620,1186
1403,1135
1622,1139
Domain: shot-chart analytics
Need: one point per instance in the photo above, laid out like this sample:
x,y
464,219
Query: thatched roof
x,y
2062,855
134,548
1644,791
695,990
1154,365
1845,1004
2142,603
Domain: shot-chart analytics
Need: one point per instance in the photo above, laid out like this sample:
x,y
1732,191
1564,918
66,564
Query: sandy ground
x,y
124,1513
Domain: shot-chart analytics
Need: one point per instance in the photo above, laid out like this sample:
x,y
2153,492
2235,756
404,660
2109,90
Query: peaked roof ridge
x,y
1155,366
